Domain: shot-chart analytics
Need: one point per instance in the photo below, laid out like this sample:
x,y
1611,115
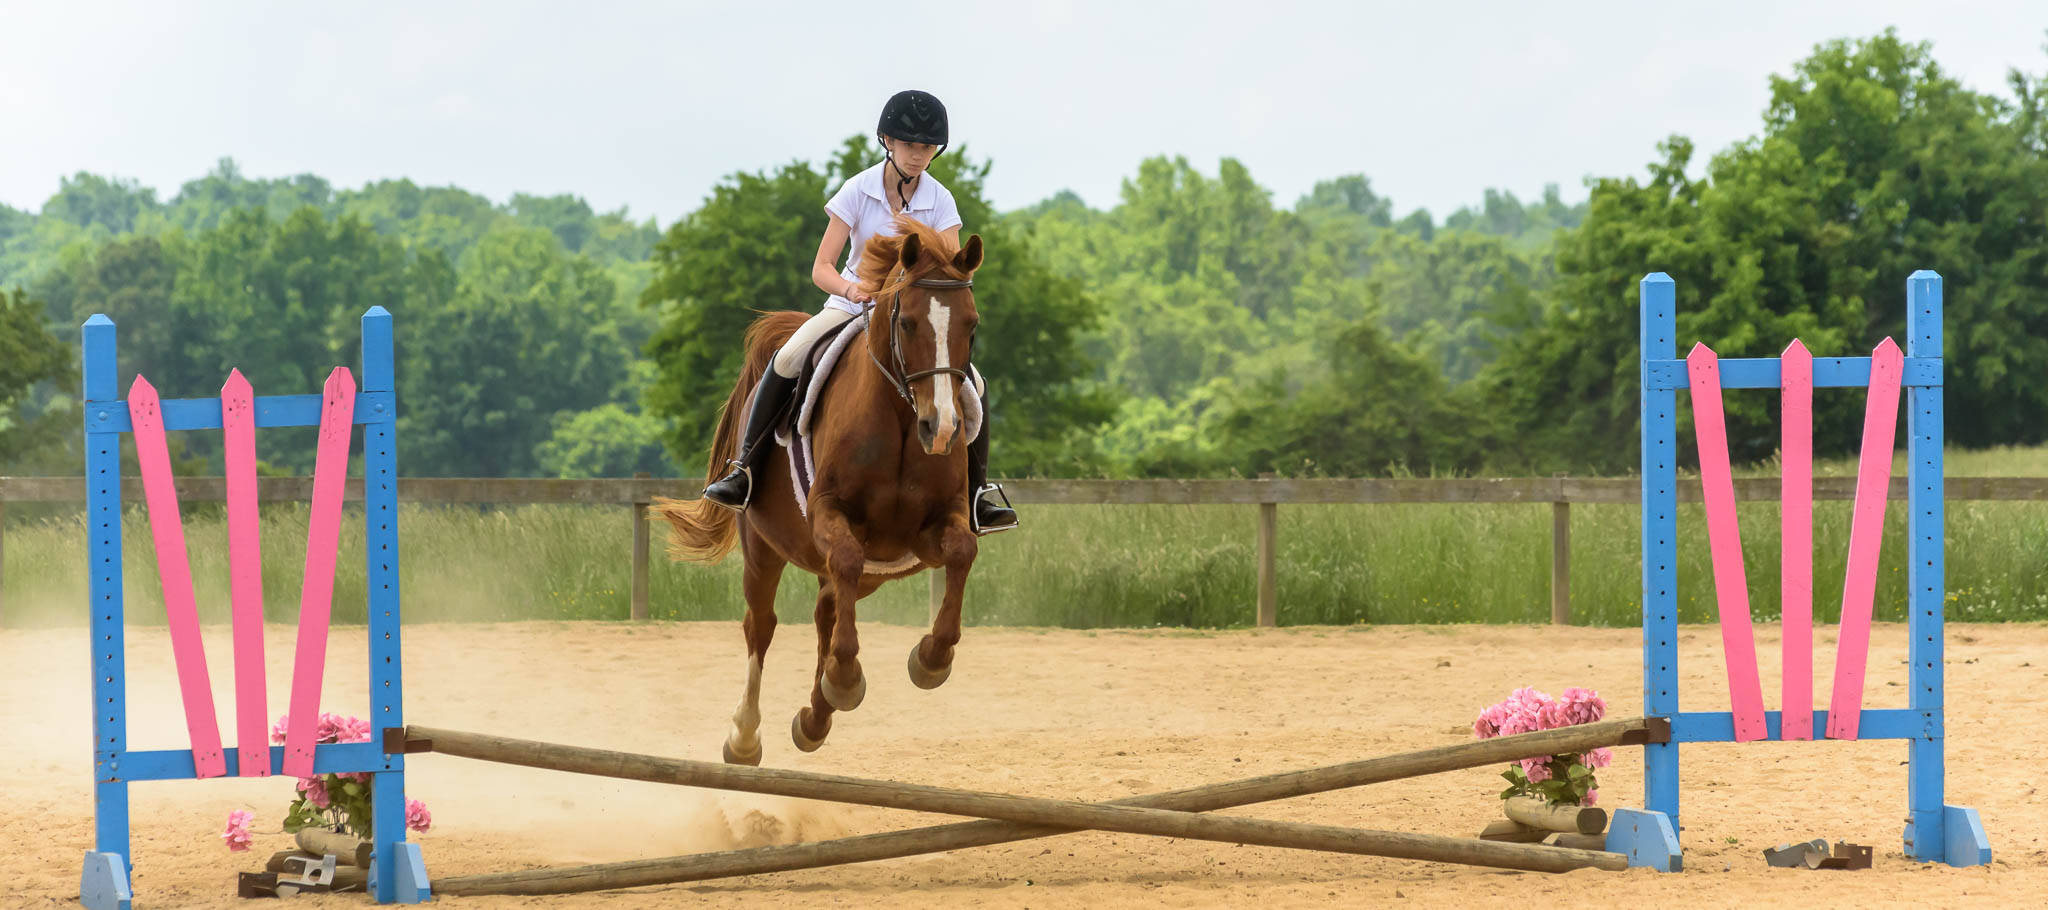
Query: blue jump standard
x,y
1935,832
397,873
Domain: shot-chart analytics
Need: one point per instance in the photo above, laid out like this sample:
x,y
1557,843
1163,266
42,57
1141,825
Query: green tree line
x,y
1194,328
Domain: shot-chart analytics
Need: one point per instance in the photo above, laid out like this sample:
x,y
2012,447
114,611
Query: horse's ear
x,y
908,255
969,257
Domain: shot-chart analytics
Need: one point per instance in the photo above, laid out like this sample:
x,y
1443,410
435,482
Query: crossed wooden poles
x,y
1013,818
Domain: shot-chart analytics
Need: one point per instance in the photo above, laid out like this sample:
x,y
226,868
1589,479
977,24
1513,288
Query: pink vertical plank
x,y
330,471
245,575
1866,534
1797,556
1724,539
1796,567
181,613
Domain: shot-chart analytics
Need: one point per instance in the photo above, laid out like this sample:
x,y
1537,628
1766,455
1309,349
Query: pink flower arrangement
x,y
339,801
237,833
313,790
1556,778
332,728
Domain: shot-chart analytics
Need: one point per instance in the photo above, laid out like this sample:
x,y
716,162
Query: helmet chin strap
x,y
902,179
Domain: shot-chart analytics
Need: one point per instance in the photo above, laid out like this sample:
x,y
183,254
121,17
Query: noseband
x,y
900,378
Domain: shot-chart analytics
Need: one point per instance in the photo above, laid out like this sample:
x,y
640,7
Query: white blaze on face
x,y
942,384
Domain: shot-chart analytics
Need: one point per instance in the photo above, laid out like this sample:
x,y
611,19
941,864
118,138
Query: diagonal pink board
x,y
323,536
245,575
1724,539
1796,569
181,613
1866,534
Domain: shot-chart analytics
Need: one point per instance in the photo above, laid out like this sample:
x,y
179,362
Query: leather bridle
x,y
900,377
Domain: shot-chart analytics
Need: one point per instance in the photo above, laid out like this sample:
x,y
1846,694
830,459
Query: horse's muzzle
x,y
936,432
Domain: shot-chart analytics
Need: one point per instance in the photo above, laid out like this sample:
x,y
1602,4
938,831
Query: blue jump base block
x,y
1935,831
397,874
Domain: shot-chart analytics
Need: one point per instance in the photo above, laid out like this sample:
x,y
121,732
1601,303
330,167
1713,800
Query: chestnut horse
x,y
890,497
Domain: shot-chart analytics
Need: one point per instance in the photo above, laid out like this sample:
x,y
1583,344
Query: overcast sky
x,y
649,105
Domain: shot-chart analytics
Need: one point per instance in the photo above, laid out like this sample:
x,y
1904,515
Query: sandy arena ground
x,y
1049,713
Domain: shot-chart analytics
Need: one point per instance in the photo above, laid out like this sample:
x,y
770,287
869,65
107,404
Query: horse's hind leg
x,y
763,576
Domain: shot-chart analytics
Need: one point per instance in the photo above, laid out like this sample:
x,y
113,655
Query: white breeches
x,y
789,361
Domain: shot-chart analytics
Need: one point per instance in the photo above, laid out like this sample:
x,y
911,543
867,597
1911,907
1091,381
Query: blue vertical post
x,y
395,868
1934,831
104,882
1660,542
1924,573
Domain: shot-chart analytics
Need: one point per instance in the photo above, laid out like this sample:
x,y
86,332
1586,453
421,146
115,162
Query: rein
x,y
900,378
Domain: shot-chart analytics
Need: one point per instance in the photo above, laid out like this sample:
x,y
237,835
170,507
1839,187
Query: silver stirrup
x,y
746,472
974,513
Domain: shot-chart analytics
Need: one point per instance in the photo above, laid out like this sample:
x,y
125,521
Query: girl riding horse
x,y
913,132
891,494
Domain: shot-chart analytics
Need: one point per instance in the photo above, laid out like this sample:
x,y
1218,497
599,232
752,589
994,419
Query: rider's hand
x,y
855,294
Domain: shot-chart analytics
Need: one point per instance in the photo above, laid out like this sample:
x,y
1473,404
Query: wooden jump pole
x,y
1167,814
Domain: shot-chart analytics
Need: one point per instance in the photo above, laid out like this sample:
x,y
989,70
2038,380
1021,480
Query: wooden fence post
x,y
640,554
1561,562
1269,582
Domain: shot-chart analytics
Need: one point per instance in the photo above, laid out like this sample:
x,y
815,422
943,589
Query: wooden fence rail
x,y
635,493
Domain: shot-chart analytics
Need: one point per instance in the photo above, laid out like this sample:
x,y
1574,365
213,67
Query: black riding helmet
x,y
912,116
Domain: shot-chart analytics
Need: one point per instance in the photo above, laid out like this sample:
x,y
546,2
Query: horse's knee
x,y
845,567
958,545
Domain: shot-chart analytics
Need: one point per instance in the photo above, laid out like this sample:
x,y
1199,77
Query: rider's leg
x,y
789,361
990,515
778,382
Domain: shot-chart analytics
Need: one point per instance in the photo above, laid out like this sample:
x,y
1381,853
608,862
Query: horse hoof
x,y
925,678
734,757
796,731
843,699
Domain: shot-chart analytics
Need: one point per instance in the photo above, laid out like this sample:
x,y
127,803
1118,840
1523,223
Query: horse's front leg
x,y
763,575
839,677
952,546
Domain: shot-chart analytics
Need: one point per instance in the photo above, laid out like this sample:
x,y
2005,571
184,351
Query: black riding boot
x,y
989,515
736,489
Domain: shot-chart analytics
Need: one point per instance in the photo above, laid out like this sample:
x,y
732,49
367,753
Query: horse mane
x,y
882,254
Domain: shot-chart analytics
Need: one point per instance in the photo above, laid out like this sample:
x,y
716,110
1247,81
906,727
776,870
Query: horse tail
x,y
699,529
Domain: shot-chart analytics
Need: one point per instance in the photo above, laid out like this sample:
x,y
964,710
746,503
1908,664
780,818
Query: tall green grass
x,y
1089,566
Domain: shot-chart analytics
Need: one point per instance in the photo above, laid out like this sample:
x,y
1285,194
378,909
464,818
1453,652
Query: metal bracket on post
x,y
1647,838
104,883
409,877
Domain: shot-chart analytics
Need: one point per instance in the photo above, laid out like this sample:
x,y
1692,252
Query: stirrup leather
x,y
974,510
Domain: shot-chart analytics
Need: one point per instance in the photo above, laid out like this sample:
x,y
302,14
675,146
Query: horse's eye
x,y
909,325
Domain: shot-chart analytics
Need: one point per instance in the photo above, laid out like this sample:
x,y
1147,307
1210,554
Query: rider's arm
x,y
825,270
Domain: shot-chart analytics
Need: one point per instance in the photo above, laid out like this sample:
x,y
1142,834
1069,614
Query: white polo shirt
x,y
862,202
